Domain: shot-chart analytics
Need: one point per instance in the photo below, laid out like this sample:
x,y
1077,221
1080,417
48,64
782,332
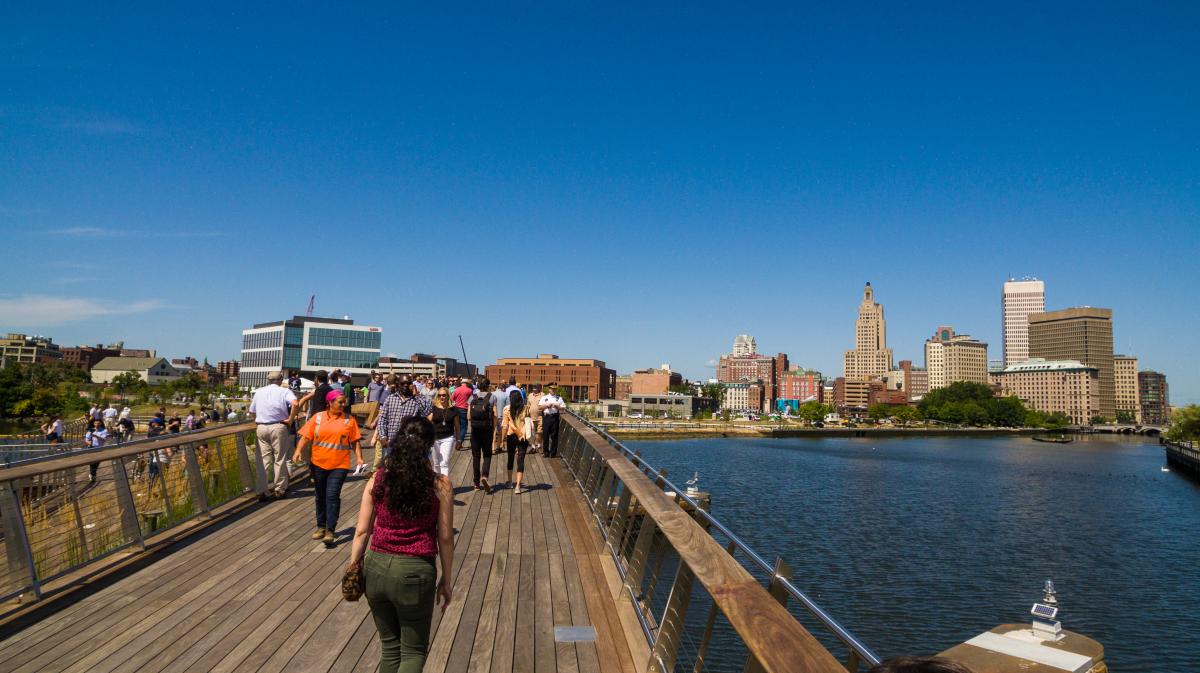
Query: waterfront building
x,y
654,381
86,357
798,385
581,379
1154,398
1018,300
870,357
753,367
744,344
29,349
1066,386
307,344
152,370
667,405
950,358
1125,387
850,395
623,387
1084,334
743,396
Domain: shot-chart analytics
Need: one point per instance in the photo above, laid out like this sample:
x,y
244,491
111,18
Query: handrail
x,y
604,468
842,633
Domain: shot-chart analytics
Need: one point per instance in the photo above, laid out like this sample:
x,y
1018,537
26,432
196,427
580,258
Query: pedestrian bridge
x,y
603,565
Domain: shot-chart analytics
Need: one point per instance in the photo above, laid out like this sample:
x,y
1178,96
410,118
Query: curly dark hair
x,y
406,484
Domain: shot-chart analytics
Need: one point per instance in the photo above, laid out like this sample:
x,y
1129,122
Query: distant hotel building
x,y
744,344
1125,386
307,344
1018,300
28,350
1153,394
1084,334
746,365
950,358
870,357
797,386
746,396
1065,386
579,380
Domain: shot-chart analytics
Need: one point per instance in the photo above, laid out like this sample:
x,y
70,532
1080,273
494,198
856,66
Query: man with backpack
x,y
482,413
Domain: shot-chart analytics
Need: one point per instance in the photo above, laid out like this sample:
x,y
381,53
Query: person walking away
x,y
551,405
125,426
500,400
94,438
517,428
462,399
403,404
272,408
483,426
445,421
294,382
333,433
406,518
110,418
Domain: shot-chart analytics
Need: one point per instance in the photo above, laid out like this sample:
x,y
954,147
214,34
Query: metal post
x,y
641,552
73,494
260,478
620,519
244,463
129,518
852,662
17,540
196,480
666,643
220,480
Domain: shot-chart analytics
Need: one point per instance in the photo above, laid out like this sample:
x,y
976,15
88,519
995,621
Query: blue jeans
x,y
328,487
462,425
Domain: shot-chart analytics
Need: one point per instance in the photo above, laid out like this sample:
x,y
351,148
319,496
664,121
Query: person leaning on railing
x,y
407,517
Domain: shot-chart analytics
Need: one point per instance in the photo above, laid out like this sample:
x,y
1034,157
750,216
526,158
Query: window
x,y
261,358
324,357
294,336
262,340
321,336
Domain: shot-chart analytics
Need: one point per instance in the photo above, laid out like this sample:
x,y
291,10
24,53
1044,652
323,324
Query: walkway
x,y
256,594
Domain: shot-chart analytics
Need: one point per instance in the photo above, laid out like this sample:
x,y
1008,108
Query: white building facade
x,y
1018,299
307,344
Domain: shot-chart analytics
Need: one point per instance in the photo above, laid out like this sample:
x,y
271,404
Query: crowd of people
x,y
406,517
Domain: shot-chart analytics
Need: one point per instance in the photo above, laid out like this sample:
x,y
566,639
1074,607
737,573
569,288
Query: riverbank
x,y
696,431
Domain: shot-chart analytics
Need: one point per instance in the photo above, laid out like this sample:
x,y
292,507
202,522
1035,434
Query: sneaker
x,y
487,488
319,535
478,487
329,538
517,491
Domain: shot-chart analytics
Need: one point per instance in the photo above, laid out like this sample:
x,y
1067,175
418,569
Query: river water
x,y
917,544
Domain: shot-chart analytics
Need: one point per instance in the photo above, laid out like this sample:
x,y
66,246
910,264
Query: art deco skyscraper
x,y
1018,300
870,356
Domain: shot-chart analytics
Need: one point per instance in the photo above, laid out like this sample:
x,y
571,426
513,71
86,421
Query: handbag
x,y
528,428
354,583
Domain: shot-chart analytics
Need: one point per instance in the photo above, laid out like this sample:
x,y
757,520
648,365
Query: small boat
x,y
1053,440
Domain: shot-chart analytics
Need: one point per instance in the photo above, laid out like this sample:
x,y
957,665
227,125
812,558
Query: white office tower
x,y
1020,298
744,344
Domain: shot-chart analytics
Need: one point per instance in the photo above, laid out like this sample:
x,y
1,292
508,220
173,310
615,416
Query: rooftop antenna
x,y
311,300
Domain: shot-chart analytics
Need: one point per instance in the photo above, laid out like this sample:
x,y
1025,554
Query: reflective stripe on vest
x,y
317,433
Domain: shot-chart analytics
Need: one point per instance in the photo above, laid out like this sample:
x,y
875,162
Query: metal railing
x,y
655,532
65,512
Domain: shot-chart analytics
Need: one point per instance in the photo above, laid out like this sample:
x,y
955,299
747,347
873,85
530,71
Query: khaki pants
x,y
275,443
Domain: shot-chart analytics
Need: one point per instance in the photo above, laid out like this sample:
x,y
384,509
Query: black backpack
x,y
481,409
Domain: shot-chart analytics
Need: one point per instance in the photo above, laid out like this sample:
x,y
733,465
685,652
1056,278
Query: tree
x,y
713,391
878,412
1185,424
905,414
129,381
813,411
1125,416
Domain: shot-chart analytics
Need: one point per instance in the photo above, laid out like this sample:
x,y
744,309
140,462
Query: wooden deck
x,y
256,594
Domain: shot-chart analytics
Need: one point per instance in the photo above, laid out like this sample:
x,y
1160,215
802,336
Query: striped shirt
x,y
396,409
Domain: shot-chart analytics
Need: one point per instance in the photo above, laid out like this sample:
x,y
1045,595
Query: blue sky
x,y
594,180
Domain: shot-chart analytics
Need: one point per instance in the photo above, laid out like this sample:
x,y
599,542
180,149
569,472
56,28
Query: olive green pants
x,y
400,591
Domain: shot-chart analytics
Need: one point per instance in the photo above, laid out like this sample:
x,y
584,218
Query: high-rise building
x,y
1153,394
1019,299
744,344
307,344
950,358
870,356
1084,334
1125,388
1063,386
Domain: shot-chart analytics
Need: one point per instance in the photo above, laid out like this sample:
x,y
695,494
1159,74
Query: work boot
x,y
330,539
319,535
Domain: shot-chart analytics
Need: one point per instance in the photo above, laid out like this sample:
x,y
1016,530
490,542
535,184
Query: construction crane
x,y
311,300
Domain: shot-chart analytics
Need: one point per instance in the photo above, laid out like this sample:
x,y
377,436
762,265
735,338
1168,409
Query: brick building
x,y
578,380
86,357
1154,398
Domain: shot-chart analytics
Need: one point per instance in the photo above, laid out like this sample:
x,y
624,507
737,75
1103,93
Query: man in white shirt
x,y
110,418
550,405
271,408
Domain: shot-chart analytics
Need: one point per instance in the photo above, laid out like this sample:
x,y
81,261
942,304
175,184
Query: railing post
x,y
73,494
709,623
777,591
16,539
195,479
260,478
129,517
244,462
641,552
666,643
616,527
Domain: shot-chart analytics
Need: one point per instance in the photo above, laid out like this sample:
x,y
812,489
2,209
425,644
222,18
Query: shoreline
x,y
815,433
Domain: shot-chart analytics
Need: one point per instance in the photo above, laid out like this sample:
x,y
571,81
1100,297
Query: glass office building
x,y
307,344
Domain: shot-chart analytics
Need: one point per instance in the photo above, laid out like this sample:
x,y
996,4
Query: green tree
x,y
813,411
878,412
128,382
1185,424
905,414
1125,416
713,391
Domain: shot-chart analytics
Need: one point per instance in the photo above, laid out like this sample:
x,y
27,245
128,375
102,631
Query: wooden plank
x,y
506,622
524,637
485,629
357,646
464,574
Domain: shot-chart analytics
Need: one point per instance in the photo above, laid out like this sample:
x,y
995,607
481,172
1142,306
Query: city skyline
x,y
605,165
